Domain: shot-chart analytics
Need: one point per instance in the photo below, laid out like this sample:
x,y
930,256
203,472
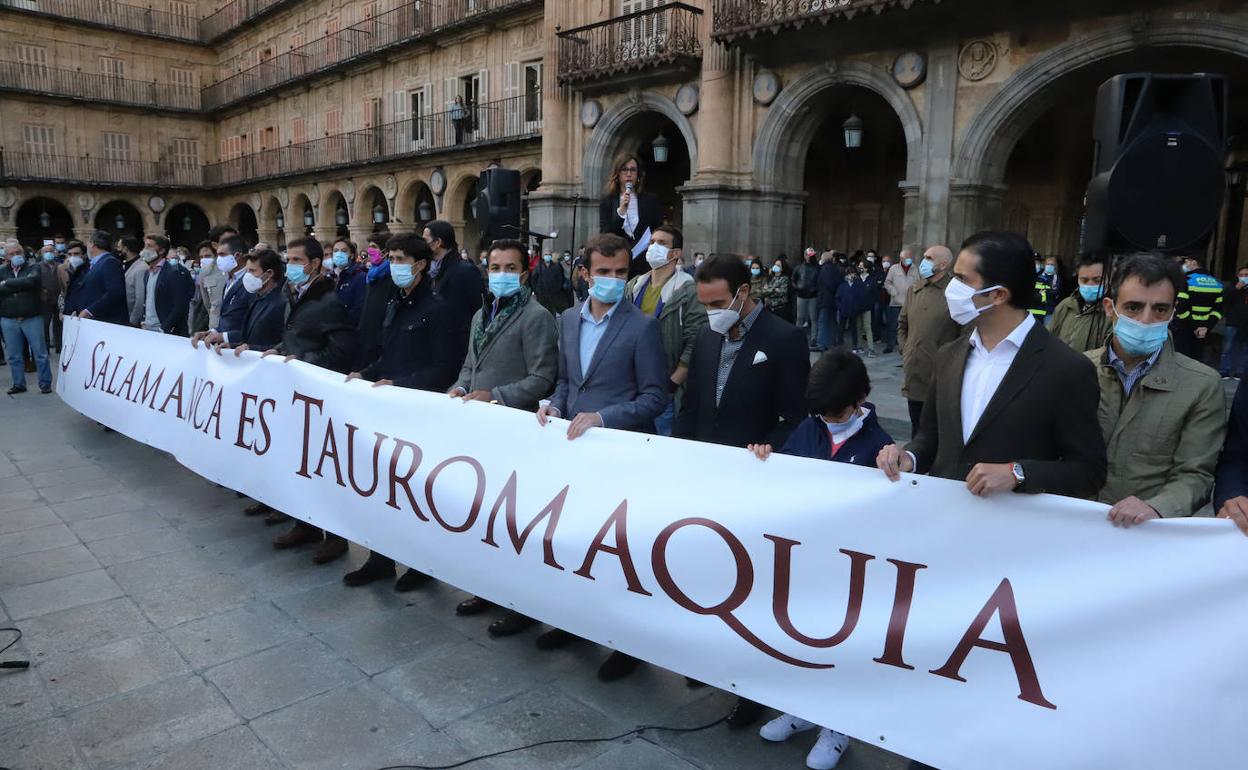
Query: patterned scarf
x,y
483,333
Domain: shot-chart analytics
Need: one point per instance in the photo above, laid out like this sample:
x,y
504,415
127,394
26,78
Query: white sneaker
x,y
784,727
828,750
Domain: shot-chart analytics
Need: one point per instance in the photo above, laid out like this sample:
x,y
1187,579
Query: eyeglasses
x,y
629,170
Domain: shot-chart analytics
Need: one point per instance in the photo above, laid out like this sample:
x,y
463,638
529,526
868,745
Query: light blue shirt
x,y
1129,379
591,333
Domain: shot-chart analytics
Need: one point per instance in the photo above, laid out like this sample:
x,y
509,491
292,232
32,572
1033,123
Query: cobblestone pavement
x,y
165,632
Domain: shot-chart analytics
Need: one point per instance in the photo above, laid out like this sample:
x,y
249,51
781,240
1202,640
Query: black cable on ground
x,y
12,663
634,731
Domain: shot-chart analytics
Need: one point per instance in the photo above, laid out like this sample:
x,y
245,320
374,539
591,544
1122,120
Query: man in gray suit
x,y
612,374
612,371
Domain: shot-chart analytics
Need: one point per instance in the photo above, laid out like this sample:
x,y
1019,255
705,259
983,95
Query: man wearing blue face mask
x,y
512,360
350,278
1163,414
1079,320
923,326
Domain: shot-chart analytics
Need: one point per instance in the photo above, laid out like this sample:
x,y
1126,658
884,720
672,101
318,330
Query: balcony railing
x,y
50,81
234,14
113,15
657,36
373,37
510,119
733,19
34,167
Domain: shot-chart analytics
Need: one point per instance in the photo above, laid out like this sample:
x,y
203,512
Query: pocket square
x,y
759,357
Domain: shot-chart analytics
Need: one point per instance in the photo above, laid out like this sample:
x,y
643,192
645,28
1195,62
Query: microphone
x,y
628,187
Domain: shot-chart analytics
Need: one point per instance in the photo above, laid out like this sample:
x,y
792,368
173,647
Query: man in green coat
x,y
669,295
1079,320
923,326
1163,414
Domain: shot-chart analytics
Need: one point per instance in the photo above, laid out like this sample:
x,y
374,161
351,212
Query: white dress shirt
x,y
984,371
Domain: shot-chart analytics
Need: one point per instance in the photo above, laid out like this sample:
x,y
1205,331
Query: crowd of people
x,y
1104,404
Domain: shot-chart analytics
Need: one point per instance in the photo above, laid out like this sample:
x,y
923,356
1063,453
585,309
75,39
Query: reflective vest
x,y
1041,307
1201,303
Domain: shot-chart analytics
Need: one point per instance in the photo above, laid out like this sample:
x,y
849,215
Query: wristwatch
x,y
1017,470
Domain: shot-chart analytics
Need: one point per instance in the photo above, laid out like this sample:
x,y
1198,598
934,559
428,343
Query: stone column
x,y
267,235
575,217
941,97
83,233
913,211
721,218
325,233
973,206
360,235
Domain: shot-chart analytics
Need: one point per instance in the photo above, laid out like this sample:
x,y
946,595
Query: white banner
x,y
1015,632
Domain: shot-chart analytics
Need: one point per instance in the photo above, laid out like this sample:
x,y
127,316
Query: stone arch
x,y
407,202
31,213
453,200
604,142
295,224
326,213
366,196
268,213
1003,119
785,134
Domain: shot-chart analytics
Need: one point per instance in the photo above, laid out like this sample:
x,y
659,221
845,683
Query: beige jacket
x,y
898,282
924,325
1163,440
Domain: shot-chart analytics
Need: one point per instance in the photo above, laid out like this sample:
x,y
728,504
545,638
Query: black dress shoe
x,y
369,573
410,581
13,391
554,639
45,389
744,714
474,606
510,624
275,517
617,666
257,509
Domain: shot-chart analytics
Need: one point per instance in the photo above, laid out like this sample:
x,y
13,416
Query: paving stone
x,y
166,569
42,745
92,625
229,635
10,484
337,604
74,489
732,749
51,478
390,639
237,747
32,540
650,693
138,545
8,468
114,524
76,679
45,565
357,726
226,528
27,518
59,594
150,721
245,551
279,676
171,605
635,752
537,715
454,681
19,499
291,572
23,698
103,505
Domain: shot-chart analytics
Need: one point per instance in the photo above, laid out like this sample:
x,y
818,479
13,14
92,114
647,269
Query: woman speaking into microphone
x,y
629,212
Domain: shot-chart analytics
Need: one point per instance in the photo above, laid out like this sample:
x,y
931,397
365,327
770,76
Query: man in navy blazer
x,y
265,319
102,295
612,370
167,310
1230,491
612,374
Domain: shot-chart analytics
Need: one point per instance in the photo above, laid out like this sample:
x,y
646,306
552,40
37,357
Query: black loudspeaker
x,y
1158,175
498,204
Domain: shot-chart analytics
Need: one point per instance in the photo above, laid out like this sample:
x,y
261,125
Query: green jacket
x,y
20,291
924,325
681,317
1083,329
1163,440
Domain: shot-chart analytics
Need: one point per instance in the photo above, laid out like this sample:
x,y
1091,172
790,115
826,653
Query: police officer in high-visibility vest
x,y
1198,310
1039,307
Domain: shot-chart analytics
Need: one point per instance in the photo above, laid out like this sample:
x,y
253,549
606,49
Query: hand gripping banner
x,y
1010,632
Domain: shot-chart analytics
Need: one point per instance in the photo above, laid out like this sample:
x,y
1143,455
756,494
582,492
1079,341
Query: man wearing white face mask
x,y
668,295
1163,414
222,290
1010,408
164,299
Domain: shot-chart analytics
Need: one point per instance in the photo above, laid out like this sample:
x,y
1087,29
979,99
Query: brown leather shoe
x,y
256,509
334,547
275,517
298,535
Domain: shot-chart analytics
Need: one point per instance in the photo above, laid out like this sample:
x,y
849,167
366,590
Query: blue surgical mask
x,y
1140,339
548,258
907,261
755,271
295,274
341,258
504,284
1243,280
606,290
1050,269
402,274
17,260
61,246
927,268
1091,293
48,256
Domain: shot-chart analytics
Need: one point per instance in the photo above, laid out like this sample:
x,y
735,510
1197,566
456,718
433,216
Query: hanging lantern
x,y
659,148
187,223
308,221
853,132
340,216
45,220
379,214
281,221
120,221
425,211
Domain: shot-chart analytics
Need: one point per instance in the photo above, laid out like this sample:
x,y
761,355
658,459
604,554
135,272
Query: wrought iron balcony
x,y
655,37
78,170
736,19
369,39
515,118
51,81
109,14
234,14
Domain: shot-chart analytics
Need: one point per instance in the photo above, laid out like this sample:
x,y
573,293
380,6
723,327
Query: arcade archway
x,y
41,219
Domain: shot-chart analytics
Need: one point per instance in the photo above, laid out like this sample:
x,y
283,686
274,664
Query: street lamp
x,y
308,221
340,216
853,132
187,224
45,221
120,221
379,214
281,221
659,148
425,211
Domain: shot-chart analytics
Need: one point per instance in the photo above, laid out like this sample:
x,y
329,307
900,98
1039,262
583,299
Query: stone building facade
x,y
339,113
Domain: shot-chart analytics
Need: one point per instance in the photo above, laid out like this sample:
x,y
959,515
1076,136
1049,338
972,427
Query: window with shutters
x,y
39,140
32,61
268,137
116,146
183,79
184,19
299,130
333,122
333,45
419,100
333,130
533,92
185,152
112,67
296,39
641,35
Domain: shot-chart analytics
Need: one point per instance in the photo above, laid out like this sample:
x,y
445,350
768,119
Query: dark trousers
x,y
52,328
890,327
329,536
916,413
